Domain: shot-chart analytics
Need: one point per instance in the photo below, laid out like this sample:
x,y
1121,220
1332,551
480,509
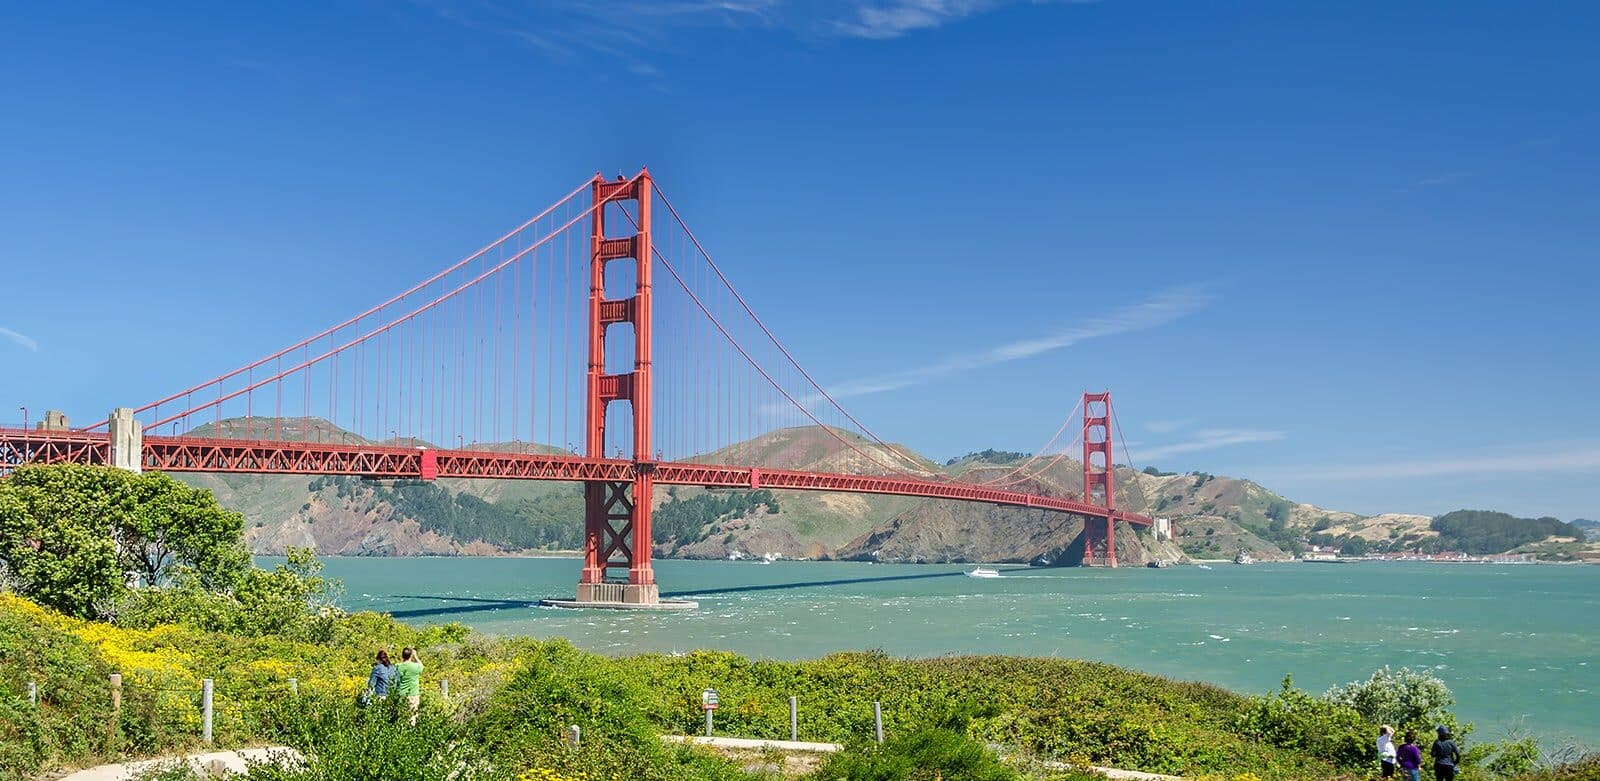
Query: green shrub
x,y
341,742
1309,726
69,724
925,754
1403,698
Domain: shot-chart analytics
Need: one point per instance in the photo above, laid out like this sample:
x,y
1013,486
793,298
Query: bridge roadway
x,y
195,454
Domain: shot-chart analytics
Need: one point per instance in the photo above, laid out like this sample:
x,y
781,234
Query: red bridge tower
x,y
1099,534
616,540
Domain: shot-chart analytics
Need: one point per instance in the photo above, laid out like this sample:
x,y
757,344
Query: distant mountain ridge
x,y
1213,516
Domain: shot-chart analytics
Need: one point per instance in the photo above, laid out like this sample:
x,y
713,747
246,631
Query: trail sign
x,y
708,699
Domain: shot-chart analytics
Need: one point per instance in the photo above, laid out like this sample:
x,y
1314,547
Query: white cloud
x,y
1207,439
631,29
1168,426
1579,459
1157,310
20,339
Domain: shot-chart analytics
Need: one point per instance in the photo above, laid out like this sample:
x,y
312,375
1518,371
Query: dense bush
x,y
925,754
291,601
1309,725
1401,698
73,711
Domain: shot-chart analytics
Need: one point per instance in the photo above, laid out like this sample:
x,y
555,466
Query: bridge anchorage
x,y
427,384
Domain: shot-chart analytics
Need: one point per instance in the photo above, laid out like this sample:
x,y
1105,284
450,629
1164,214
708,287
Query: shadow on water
x,y
811,584
465,605
479,606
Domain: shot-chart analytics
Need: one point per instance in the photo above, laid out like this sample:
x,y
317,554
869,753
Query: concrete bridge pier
x,y
127,440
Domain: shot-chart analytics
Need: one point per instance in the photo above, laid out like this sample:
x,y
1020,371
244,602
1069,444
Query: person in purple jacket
x,y
1410,757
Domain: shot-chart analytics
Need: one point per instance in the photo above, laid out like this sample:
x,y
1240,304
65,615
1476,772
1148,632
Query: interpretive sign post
x,y
708,703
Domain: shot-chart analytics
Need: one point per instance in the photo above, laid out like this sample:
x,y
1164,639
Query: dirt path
x,y
213,763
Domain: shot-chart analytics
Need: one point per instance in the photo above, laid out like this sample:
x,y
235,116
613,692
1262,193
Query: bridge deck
x,y
194,454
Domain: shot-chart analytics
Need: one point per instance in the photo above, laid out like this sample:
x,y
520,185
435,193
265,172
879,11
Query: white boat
x,y
983,572
1203,566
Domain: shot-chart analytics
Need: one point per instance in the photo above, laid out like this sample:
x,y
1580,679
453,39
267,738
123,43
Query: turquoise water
x,y
1517,644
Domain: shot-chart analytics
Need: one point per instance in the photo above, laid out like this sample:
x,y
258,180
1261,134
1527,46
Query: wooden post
x,y
33,694
708,721
794,719
294,686
877,719
574,736
444,688
205,710
116,692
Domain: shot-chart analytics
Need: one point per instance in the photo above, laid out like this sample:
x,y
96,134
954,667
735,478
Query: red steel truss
x,y
193,454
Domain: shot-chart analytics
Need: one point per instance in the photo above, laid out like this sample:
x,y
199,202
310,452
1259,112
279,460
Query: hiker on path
x,y
1446,755
381,677
408,680
1386,751
1410,757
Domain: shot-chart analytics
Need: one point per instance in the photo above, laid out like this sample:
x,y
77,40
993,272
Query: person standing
x,y
1386,751
381,677
1410,757
1446,755
408,680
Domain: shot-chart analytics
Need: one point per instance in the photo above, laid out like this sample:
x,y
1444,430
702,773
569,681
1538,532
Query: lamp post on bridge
x,y
24,409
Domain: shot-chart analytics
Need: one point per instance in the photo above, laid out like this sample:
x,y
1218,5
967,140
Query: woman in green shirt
x,y
408,680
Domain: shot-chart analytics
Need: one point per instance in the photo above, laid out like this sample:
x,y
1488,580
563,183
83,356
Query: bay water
x,y
1518,644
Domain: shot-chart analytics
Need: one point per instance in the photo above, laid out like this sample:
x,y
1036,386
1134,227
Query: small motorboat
x,y
983,572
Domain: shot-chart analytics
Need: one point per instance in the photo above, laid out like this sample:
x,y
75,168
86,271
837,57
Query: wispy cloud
x,y
1158,310
1530,459
1168,426
20,339
632,29
895,18
1207,439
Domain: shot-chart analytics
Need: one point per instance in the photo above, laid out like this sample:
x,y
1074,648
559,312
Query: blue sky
x,y
1348,250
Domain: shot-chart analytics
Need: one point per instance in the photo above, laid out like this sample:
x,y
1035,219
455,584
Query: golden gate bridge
x,y
473,373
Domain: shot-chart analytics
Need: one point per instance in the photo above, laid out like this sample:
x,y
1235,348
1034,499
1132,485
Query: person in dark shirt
x,y
1446,755
1410,757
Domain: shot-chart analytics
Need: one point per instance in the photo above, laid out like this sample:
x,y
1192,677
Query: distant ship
x,y
983,572
1243,558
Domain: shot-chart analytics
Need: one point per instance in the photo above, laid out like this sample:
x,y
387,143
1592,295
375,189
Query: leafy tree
x,y
74,537
171,525
58,536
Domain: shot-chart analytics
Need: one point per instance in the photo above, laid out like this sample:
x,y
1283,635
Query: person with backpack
x,y
1446,756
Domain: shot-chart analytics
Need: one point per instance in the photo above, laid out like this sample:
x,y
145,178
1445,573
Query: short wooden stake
x,y
877,718
116,692
294,686
33,694
794,718
444,688
205,710
574,736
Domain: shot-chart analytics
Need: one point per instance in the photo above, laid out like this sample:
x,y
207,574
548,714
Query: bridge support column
x,y
1099,532
127,440
616,541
